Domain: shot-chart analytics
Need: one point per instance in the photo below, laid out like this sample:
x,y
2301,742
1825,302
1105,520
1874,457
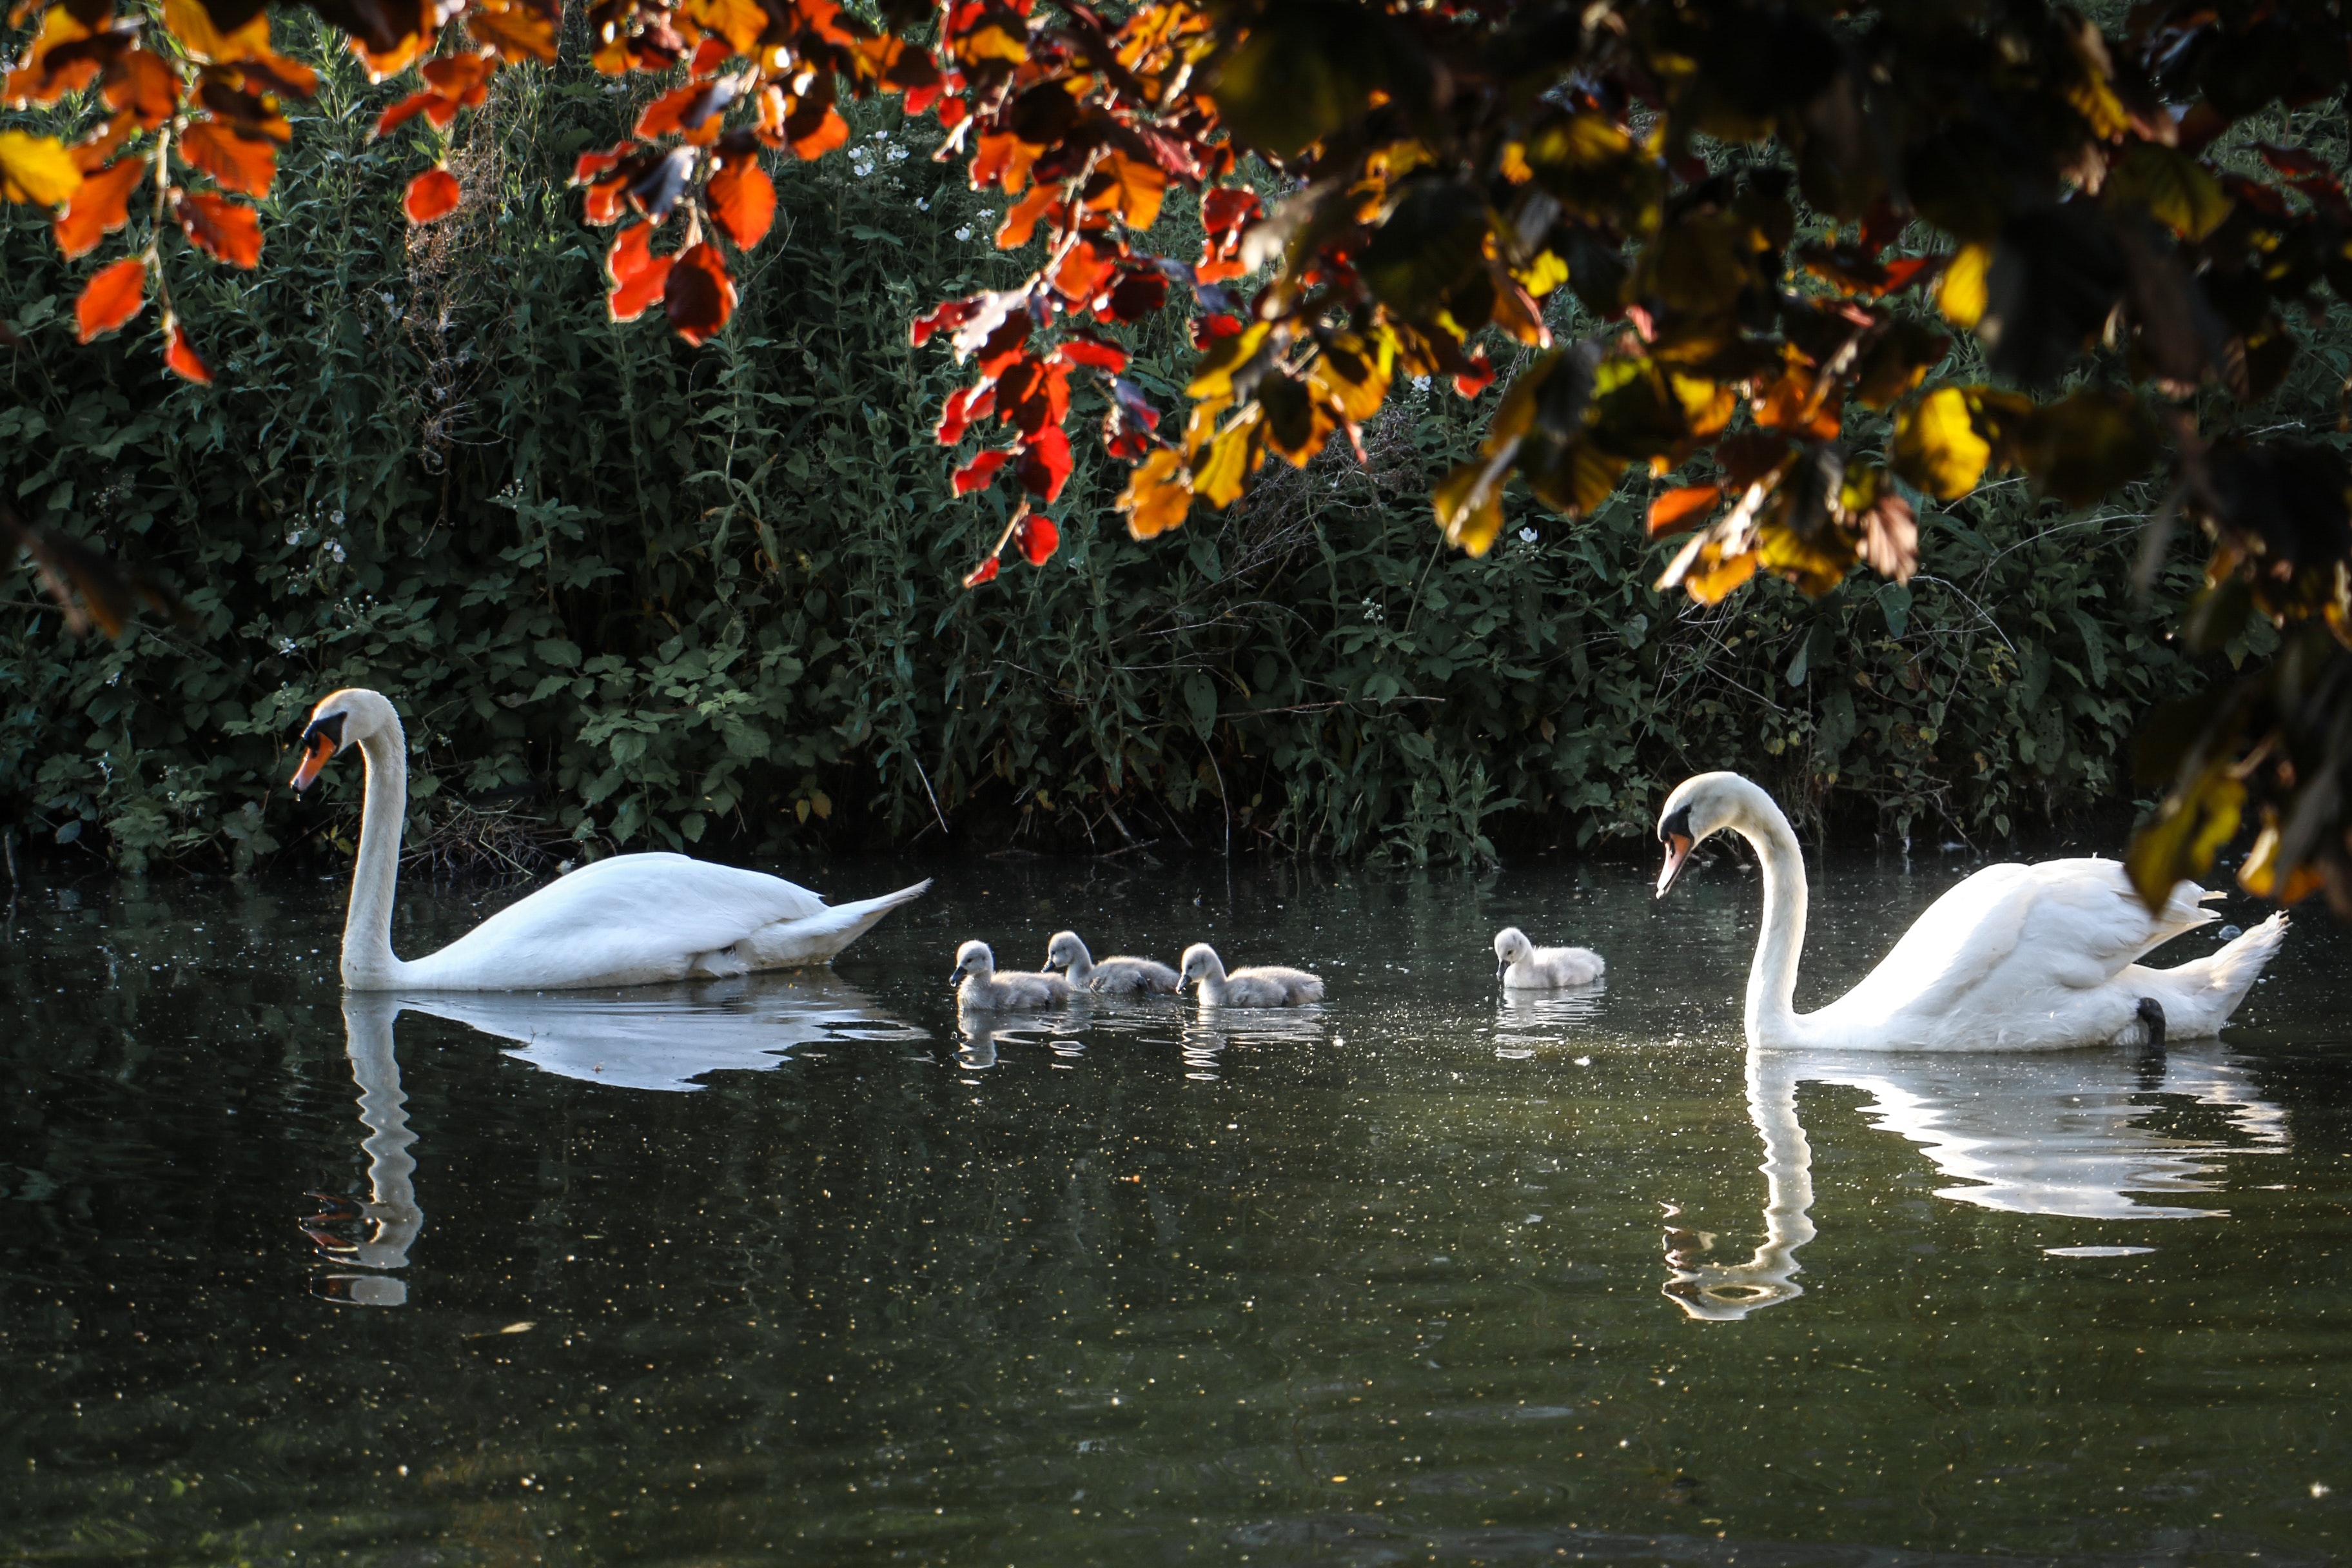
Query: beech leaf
x,y
432,196
110,298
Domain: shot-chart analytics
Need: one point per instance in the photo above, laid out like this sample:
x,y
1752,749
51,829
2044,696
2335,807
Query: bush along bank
x,y
630,594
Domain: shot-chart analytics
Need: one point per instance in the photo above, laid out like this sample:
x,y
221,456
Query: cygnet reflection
x,y
1527,1022
376,1234
666,1036
1208,1034
986,1034
2071,1134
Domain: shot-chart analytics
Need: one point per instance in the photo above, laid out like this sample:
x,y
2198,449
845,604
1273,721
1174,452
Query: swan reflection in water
x,y
658,1038
375,1234
666,1036
1208,1033
2066,1133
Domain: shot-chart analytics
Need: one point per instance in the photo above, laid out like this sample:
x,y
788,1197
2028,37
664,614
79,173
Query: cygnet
x,y
982,987
1112,976
1524,966
1268,986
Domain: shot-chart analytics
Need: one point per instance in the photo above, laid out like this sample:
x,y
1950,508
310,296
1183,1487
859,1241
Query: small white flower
x,y
1375,611
898,154
881,136
336,551
288,645
295,537
1420,384
1527,536
338,519
922,204
964,233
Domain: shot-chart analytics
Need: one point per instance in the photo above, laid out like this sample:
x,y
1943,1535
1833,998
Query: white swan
x,y
2015,958
1268,985
1521,965
627,921
987,991
1112,976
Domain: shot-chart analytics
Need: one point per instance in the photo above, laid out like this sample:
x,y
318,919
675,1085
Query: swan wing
x,y
2013,932
629,917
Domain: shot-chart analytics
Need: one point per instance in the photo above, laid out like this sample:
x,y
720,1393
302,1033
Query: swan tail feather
x,y
822,937
2219,981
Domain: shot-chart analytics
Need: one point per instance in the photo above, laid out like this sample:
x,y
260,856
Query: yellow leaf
x,y
1226,356
1544,274
2171,187
187,21
1352,375
1937,447
37,170
822,804
1158,495
1713,579
739,22
1962,294
1224,464
1469,508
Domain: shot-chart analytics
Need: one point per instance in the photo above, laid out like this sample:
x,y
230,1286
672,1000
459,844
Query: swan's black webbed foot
x,y
2150,1014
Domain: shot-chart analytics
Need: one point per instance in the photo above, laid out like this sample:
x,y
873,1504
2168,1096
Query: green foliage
x,y
702,596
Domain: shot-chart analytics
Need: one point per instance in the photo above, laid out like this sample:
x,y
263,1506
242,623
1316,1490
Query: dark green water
x,y
1412,1277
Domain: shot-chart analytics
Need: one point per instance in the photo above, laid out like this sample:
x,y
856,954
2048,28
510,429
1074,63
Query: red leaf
x,y
1904,272
1207,330
592,164
144,85
743,201
964,404
1470,383
1140,292
708,56
1038,538
432,195
111,298
100,206
181,357
647,284
953,112
1004,345
944,317
1032,394
977,474
631,252
984,573
1680,509
1224,208
663,115
702,296
223,229
1045,463
407,109
1088,350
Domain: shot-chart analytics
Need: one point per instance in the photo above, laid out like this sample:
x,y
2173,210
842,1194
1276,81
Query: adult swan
x,y
2020,958
630,919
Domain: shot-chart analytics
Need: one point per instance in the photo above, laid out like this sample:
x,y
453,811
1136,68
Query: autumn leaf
x,y
223,229
1045,463
1038,538
1129,186
1159,493
984,573
37,170
978,474
639,276
191,23
242,164
99,208
432,196
110,298
701,298
1961,295
143,86
1937,447
181,356
1680,509
743,202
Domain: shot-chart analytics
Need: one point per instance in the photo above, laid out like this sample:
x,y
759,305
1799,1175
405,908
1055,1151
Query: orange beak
x,y
1678,850
316,747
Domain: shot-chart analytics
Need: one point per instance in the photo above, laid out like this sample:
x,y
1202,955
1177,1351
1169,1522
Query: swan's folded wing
x,y
1960,938
619,915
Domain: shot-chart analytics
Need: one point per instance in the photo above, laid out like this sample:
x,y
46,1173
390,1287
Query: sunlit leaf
x,y
223,229
1226,461
1045,462
180,355
37,170
743,202
1038,538
2193,823
1131,187
110,298
1961,295
143,86
980,472
1159,493
99,208
432,195
242,164
2168,184
739,22
189,22
1680,509
1469,506
984,573
1937,447
517,31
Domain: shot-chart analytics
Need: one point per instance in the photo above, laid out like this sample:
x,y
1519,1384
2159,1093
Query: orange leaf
x,y
143,86
700,296
631,252
1020,218
631,297
1157,494
111,298
1680,509
463,77
432,195
223,229
240,163
1130,188
409,108
814,136
743,201
181,357
99,208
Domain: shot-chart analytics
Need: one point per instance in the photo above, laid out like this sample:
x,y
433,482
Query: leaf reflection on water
x,y
2066,1134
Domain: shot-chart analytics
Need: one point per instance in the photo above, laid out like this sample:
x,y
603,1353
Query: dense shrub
x,y
662,596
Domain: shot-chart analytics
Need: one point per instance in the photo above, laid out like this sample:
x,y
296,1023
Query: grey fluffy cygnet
x,y
1112,976
1270,986
982,987
1524,966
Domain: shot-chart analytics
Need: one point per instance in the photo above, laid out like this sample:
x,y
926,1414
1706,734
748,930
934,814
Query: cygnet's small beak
x,y
955,976
1501,964
1678,854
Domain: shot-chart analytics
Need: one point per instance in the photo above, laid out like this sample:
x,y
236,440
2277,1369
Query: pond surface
x,y
800,1271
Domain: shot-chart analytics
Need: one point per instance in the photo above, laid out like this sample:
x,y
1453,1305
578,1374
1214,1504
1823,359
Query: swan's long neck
x,y
368,963
1772,979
